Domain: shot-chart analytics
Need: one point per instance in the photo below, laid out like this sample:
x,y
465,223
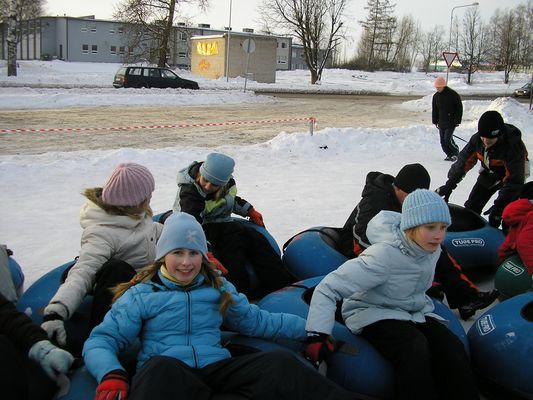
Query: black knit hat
x,y
527,191
490,124
411,177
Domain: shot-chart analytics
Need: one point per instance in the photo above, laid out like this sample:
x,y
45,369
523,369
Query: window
x,y
282,59
182,54
283,45
136,71
84,29
93,28
113,50
182,36
112,31
121,50
120,30
85,48
94,49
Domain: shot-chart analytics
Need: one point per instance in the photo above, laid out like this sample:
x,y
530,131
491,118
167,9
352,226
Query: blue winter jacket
x,y
181,322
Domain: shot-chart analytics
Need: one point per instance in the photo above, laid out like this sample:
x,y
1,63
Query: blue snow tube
x,y
38,295
357,366
471,241
501,343
17,276
313,252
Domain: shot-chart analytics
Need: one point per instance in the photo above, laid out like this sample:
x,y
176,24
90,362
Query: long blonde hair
x,y
208,270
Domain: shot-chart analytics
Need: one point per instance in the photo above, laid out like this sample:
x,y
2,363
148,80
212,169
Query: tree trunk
x,y
163,45
12,40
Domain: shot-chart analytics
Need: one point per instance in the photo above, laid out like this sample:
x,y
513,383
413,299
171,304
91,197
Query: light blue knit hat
x,y
217,168
181,231
424,207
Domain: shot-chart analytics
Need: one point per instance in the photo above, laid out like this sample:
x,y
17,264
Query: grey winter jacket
x,y
104,236
387,281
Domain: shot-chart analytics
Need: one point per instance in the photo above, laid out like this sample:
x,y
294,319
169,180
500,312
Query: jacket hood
x,y
385,228
92,214
515,211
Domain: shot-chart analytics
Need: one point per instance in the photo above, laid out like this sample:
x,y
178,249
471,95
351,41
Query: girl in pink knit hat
x,y
119,236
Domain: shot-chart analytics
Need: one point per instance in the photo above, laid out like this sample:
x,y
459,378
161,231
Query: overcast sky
x,y
244,12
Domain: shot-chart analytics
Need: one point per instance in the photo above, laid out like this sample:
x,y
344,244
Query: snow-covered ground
x,y
293,180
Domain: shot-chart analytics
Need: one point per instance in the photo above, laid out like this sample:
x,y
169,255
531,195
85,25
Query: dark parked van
x,y
137,77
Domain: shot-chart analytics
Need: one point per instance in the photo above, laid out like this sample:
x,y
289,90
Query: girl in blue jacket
x,y
384,300
176,307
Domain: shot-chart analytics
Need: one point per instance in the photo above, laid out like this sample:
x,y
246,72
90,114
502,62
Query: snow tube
x,y
38,295
16,275
471,241
313,252
357,366
501,343
512,277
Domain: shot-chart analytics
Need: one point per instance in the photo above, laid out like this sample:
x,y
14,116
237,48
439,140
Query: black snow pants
x,y
429,361
275,375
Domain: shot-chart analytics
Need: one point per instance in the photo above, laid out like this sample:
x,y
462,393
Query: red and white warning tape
x,y
141,127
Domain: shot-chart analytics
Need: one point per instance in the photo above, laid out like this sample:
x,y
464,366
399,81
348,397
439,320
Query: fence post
x,y
311,125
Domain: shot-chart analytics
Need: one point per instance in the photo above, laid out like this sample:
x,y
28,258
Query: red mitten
x,y
256,217
114,385
218,265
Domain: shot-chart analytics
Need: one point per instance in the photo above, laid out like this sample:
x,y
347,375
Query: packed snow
x,y
295,180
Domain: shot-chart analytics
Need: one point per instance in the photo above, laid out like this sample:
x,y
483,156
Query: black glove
x,y
318,347
495,219
444,191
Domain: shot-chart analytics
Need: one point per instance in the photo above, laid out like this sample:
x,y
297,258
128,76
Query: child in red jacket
x,y
518,216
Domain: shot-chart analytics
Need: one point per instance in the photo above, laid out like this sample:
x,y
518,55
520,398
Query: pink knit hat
x,y
440,82
129,185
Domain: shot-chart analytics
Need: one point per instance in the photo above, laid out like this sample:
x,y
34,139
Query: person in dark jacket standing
x,y
446,114
386,192
504,161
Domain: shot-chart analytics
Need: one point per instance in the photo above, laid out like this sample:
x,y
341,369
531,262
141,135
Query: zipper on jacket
x,y
189,330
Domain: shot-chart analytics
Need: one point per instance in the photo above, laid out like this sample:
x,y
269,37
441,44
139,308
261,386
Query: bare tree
x,y
14,11
404,40
431,47
472,42
317,24
377,39
149,24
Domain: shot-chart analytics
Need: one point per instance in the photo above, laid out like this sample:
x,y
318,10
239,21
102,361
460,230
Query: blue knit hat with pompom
x,y
424,207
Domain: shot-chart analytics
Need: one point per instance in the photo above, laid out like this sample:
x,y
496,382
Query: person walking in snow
x,y
175,308
383,294
446,115
386,192
207,191
118,237
504,160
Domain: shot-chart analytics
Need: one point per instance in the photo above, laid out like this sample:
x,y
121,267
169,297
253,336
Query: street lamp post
x,y
451,25
451,21
227,44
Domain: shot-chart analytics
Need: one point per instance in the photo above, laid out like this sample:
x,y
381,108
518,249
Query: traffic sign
x,y
449,58
248,46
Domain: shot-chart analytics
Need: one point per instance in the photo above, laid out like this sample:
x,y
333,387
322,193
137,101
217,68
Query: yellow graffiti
x,y
207,49
204,65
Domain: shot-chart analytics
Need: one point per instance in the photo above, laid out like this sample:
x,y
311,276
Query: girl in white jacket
x,y
118,237
384,300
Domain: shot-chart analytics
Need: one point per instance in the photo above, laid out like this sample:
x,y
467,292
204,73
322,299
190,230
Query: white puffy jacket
x,y
104,236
